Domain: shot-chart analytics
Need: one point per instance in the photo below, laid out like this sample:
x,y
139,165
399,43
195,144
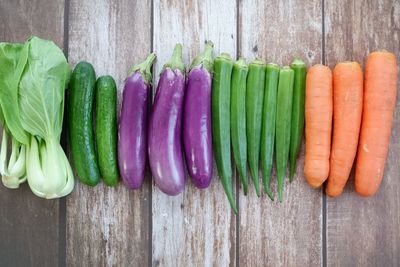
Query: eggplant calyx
x,y
205,59
145,67
176,61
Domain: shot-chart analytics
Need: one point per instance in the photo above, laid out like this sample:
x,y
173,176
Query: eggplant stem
x,y
176,61
145,67
205,59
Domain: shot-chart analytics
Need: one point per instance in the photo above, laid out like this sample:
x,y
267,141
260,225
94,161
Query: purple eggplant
x,y
132,134
164,136
197,133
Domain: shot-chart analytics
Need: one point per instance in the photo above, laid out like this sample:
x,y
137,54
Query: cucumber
x,y
106,129
296,132
254,106
268,125
283,124
238,120
81,96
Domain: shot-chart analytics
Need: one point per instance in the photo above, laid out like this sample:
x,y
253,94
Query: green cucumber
x,y
296,131
81,96
238,120
283,124
220,109
254,106
106,129
268,125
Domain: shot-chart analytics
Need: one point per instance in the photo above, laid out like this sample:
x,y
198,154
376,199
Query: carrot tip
x,y
365,192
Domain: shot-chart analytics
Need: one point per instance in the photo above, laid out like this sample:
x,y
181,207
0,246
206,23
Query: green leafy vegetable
x,y
13,58
33,80
41,89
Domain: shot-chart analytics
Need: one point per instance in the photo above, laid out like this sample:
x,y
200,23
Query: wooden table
x,y
104,226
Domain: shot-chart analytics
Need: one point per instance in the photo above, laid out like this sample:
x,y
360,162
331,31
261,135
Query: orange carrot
x,y
379,104
318,113
347,110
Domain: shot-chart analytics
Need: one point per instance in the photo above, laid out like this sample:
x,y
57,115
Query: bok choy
x,y
13,58
32,84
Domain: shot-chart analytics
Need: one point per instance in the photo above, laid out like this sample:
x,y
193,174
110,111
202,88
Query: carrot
x,y
347,110
318,113
379,104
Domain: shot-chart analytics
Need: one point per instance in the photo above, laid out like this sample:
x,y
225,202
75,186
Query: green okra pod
x,y
220,105
296,132
238,120
268,125
254,105
283,124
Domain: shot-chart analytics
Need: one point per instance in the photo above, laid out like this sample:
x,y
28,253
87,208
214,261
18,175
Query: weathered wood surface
x,y
109,226
104,226
196,228
365,231
27,221
287,233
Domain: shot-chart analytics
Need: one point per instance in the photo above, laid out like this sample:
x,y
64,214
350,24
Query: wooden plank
x,y
109,226
196,228
288,233
365,231
27,222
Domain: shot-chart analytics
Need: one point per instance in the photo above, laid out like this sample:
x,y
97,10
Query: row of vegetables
x,y
218,106
254,111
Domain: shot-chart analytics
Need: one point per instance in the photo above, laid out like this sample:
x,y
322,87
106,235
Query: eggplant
x,y
164,133
132,133
197,140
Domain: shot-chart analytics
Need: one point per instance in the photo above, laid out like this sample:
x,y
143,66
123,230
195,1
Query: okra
x,y
296,131
220,103
254,105
238,120
268,125
283,124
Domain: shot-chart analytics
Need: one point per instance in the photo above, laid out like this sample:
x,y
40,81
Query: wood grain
x,y
27,222
365,231
117,227
196,228
288,233
109,226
